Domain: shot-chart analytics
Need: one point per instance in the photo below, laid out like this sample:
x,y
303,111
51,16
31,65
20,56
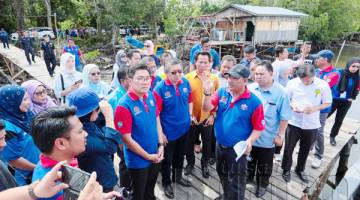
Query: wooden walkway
x,y
17,64
211,188
278,188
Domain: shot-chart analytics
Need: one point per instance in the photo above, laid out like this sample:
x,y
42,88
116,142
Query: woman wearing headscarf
x,y
92,80
20,151
345,93
69,79
149,51
38,96
120,62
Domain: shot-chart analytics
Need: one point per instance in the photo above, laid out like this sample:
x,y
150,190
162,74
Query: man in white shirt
x,y
308,95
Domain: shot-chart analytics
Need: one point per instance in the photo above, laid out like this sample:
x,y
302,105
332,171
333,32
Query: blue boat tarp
x,y
134,42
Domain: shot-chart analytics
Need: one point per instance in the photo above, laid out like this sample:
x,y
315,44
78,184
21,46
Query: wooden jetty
x,y
17,64
211,188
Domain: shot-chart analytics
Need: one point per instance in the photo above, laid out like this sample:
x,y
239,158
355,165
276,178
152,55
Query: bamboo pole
x,y
342,47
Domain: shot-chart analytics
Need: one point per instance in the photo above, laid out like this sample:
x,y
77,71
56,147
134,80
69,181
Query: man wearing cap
x,y
249,55
239,117
75,50
277,113
202,122
330,74
137,119
101,142
308,95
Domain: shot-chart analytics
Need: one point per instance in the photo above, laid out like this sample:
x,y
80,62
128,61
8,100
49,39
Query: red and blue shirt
x,y
154,81
43,167
173,104
137,116
236,118
332,76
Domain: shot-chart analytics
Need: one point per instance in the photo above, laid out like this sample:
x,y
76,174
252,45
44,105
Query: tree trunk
x,y
19,10
48,12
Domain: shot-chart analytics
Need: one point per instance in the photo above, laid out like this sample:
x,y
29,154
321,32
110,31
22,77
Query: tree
x,y
19,12
48,12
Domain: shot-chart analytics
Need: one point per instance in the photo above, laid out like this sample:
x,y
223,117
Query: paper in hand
x,y
240,149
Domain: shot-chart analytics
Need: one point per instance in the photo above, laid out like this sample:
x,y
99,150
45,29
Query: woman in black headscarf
x,y
346,91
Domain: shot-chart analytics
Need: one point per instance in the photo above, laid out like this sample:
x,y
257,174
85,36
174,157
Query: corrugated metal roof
x,y
266,11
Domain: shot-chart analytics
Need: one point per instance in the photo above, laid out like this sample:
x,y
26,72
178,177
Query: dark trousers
x,y
124,174
50,64
261,165
341,107
27,52
5,43
293,135
206,137
278,149
174,153
143,182
213,144
232,173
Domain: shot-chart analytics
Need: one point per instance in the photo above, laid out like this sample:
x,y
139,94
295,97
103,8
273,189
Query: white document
x,y
343,95
240,149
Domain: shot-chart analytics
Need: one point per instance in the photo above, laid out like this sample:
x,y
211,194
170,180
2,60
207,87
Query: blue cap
x,y
84,100
325,54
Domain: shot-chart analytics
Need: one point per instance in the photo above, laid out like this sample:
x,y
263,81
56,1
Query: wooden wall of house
x,y
273,29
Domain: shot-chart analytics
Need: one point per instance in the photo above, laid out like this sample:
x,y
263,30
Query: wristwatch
x,y
31,192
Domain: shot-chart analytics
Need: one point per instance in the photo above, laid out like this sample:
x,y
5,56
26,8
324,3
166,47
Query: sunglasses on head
x,y
147,46
176,72
95,73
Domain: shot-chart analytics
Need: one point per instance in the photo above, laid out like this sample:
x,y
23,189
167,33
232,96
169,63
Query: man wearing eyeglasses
x,y
202,122
137,119
174,97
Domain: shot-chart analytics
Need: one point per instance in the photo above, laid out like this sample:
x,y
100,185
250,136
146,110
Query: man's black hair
x,y
203,53
278,50
51,124
249,49
266,64
121,74
132,70
131,53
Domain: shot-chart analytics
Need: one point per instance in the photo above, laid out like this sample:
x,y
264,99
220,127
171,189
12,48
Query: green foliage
x,y
91,55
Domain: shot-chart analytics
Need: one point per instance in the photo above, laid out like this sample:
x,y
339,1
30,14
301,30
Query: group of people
x,y
154,117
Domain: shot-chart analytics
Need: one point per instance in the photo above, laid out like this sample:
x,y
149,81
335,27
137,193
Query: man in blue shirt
x,y
239,118
137,119
277,113
206,47
26,43
4,37
120,91
174,97
249,55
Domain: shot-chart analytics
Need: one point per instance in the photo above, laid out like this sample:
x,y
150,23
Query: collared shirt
x,y
247,62
236,118
48,48
276,108
332,77
115,96
214,55
43,167
26,43
137,116
198,93
307,95
174,107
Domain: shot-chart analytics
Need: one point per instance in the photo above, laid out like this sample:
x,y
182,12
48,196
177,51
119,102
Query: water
x,y
346,54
